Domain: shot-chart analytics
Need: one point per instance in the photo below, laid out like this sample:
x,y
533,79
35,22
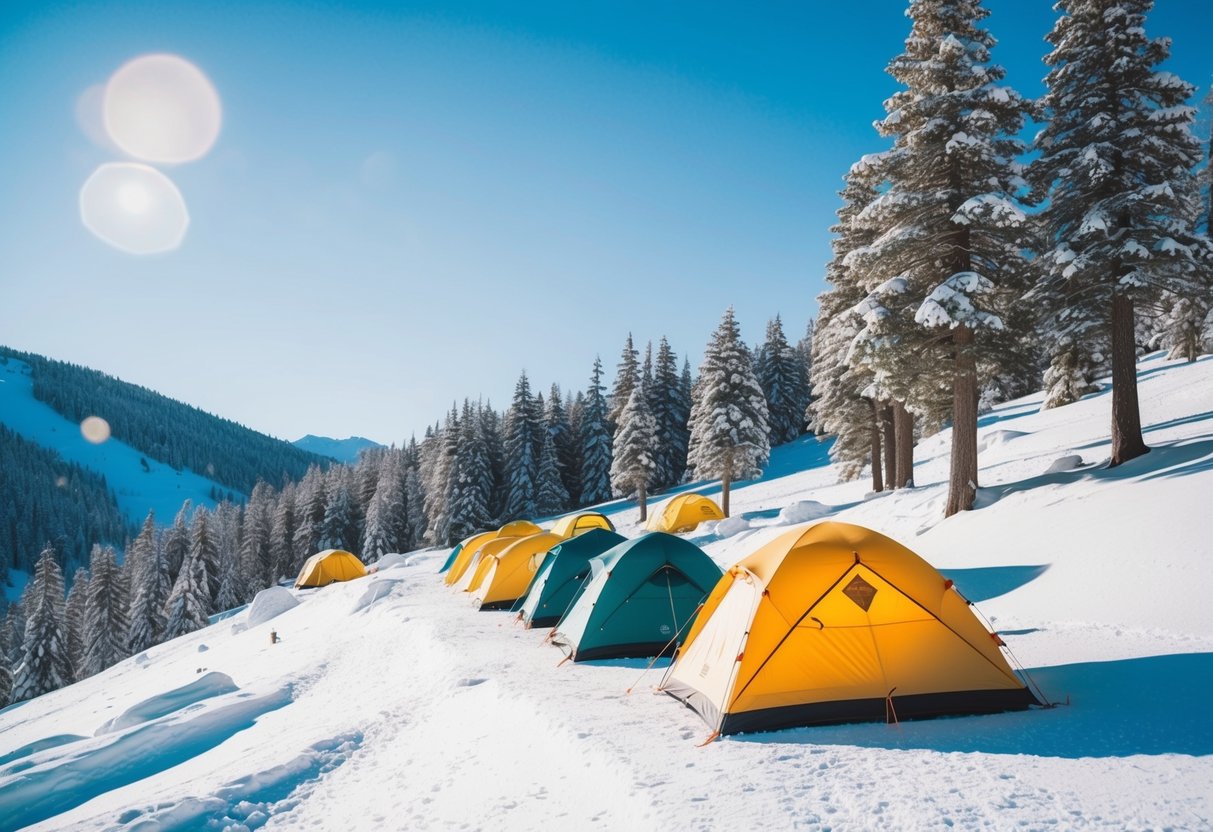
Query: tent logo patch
x,y
861,592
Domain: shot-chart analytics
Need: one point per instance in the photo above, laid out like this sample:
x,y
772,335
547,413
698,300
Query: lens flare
x,y
162,108
95,429
134,208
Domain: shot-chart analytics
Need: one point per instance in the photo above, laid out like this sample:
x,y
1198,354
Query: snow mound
x,y
730,526
212,684
997,437
394,559
202,648
377,590
802,511
270,603
1065,463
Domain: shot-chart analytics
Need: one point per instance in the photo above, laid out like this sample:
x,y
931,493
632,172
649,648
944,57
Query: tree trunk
x,y
1126,414
724,489
642,498
903,431
877,477
962,481
888,425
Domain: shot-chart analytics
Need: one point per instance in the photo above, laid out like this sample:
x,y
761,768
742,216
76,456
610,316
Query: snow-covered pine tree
x,y
441,452
595,442
73,616
339,529
844,403
45,665
952,241
729,432
106,625
556,418
780,371
150,588
188,604
1116,161
550,495
523,432
14,632
177,540
670,408
386,528
256,553
6,673
310,500
202,540
282,532
472,488
627,375
634,463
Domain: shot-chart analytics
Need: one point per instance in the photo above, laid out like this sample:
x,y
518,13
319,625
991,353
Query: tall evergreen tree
x,y
339,528
670,409
595,442
627,376
473,479
567,448
952,237
729,414
106,625
177,540
188,604
780,370
550,495
282,533
634,459
310,501
74,614
6,673
150,588
523,427
1116,161
45,665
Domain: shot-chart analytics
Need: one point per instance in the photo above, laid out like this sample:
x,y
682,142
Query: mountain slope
x,y
1095,578
342,450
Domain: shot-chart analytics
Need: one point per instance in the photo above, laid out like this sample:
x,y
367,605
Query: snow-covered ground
x,y
391,703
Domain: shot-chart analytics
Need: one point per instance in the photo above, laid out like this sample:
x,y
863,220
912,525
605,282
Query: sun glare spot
x,y
162,108
95,429
134,208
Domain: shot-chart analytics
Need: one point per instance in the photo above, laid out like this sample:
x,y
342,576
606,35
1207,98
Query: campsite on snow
x,y
941,562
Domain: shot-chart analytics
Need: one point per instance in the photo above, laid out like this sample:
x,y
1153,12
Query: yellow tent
x,y
468,552
838,623
508,574
575,524
324,568
683,513
475,572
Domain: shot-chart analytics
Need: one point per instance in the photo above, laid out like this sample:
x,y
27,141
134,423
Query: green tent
x,y
562,575
638,600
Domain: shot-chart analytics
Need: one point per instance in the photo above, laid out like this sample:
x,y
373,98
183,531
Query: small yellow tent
x,y
475,572
324,568
683,513
575,524
838,623
508,574
468,552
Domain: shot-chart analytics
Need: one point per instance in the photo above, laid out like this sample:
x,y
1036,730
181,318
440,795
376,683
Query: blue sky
x,y
411,202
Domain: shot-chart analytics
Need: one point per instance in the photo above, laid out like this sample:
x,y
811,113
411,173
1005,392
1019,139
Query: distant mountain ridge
x,y
342,450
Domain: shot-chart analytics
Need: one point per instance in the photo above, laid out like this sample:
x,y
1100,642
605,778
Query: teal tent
x,y
639,599
451,558
562,575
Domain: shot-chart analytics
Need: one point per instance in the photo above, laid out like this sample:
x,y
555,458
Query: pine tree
x,y
1116,161
6,674
74,614
177,540
634,459
595,443
670,409
729,415
14,632
441,452
310,501
150,588
255,557
282,533
780,371
473,480
523,428
556,419
626,377
45,665
106,625
188,604
951,247
339,529
551,498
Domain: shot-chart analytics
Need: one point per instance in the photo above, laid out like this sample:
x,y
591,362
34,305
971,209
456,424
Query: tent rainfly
x,y
838,623
329,566
639,600
507,575
683,514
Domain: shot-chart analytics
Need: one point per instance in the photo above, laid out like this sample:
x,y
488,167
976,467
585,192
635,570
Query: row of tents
x,y
826,624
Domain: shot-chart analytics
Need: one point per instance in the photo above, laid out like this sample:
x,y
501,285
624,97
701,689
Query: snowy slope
x,y
390,703
342,450
157,487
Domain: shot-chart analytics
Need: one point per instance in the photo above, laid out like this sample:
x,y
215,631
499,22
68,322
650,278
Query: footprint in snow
x,y
470,683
